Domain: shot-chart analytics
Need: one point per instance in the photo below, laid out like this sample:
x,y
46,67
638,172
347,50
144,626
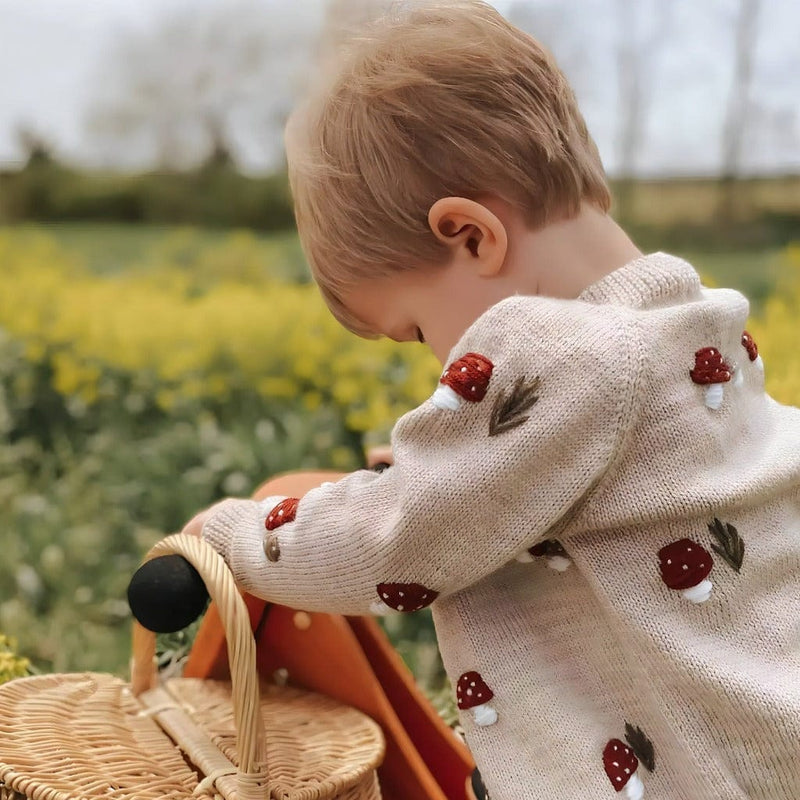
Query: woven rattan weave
x,y
86,736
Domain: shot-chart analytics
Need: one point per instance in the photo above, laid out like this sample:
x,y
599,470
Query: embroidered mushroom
x,y
402,597
282,513
711,371
465,379
685,566
473,694
620,765
752,350
552,550
752,353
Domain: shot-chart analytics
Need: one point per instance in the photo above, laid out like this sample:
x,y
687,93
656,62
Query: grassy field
x,y
123,409
697,201
755,274
113,248
116,247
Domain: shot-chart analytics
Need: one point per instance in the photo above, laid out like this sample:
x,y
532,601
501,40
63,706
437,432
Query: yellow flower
x,y
11,665
197,323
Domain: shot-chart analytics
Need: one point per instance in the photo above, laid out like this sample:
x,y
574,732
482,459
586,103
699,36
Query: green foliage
x,y
203,253
755,273
130,400
185,367
694,214
11,665
82,497
709,214
214,195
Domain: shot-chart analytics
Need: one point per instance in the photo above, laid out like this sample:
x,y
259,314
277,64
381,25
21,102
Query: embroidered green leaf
x,y
731,545
641,746
509,409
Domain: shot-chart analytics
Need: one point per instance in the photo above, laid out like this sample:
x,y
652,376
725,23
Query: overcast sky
x,y
53,54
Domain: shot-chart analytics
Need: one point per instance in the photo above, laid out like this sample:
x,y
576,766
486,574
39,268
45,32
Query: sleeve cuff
x,y
236,531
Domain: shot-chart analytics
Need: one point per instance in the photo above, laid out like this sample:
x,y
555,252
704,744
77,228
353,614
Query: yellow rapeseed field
x,y
777,332
130,399
11,665
185,340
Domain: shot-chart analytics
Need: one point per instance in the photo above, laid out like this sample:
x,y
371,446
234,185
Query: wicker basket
x,y
81,736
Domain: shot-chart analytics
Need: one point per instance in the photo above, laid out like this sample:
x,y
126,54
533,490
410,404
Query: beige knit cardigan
x,y
601,505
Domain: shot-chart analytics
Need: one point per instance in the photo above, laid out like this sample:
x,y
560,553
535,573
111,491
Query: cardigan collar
x,y
646,282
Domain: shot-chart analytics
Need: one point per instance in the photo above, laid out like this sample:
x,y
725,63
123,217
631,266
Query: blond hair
x,y
434,99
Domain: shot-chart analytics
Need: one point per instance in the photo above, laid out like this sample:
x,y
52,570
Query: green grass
x,y
104,484
698,201
111,248
755,274
108,248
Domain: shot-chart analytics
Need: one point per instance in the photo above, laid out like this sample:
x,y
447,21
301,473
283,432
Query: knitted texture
x,y
590,433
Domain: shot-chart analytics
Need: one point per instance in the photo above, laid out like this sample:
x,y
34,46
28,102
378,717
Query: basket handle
x,y
241,654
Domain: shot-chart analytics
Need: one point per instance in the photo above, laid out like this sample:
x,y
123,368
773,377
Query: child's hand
x,y
194,527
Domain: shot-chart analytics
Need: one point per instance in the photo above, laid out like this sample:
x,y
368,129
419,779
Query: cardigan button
x,y
272,549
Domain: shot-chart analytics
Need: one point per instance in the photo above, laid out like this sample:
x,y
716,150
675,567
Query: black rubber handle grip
x,y
167,594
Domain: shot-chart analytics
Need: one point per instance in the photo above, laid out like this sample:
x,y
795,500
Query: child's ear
x,y
472,230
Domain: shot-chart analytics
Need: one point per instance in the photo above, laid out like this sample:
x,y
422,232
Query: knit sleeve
x,y
526,420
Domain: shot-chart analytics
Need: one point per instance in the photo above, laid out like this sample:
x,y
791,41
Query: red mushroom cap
x,y
284,512
469,376
684,564
750,346
406,596
472,691
709,367
619,763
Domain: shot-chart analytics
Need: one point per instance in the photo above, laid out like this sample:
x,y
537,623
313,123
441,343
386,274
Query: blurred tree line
x,y
696,213
213,194
202,93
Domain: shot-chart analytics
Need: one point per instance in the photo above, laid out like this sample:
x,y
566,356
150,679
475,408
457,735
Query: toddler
x,y
599,502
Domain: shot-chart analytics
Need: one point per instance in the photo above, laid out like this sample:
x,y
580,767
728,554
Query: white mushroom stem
x,y
714,396
738,376
445,398
759,362
699,593
634,788
558,563
484,715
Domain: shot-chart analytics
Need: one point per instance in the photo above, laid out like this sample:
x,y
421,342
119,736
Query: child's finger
x,y
194,526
